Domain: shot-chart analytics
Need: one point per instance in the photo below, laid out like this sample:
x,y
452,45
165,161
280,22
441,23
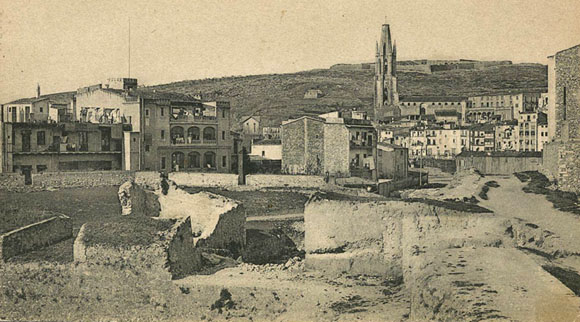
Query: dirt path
x,y
296,295
510,201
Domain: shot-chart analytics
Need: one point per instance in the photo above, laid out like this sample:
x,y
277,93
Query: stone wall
x,y
383,237
42,181
498,165
336,149
387,187
562,164
172,256
35,236
229,234
193,179
298,181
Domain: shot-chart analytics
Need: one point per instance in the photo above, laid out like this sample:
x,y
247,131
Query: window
x,y
40,109
40,138
223,135
194,160
193,134
263,153
224,161
162,111
147,112
209,160
162,134
209,133
223,114
41,168
147,148
162,162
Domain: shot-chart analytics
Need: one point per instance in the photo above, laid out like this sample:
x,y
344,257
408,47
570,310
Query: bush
x,y
538,183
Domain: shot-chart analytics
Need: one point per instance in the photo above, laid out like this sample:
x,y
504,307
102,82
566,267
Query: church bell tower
x,y
386,93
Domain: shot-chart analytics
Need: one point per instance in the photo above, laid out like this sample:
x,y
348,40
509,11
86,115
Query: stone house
x,y
313,93
392,161
251,125
330,144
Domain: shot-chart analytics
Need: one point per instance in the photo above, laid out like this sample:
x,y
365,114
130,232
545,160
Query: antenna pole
x,y
129,71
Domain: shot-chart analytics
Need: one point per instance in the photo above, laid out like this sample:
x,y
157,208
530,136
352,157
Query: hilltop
x,y
279,96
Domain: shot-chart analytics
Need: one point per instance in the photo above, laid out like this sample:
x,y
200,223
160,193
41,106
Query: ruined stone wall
x,y
35,236
562,164
272,180
229,233
173,256
41,181
193,179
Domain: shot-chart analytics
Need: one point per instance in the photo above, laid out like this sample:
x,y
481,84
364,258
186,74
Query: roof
x,y
483,127
314,118
571,48
389,145
433,99
257,118
58,98
268,142
159,95
351,121
514,154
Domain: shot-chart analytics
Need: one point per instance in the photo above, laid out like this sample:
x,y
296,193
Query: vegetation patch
x,y
350,304
126,231
538,183
261,203
12,218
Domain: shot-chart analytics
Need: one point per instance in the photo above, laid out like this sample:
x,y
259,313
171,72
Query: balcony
x,y
192,141
193,119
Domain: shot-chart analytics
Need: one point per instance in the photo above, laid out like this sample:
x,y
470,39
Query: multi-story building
x,y
482,137
429,105
507,136
501,106
528,127
170,131
42,134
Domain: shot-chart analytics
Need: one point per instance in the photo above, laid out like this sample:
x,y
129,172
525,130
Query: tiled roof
x,y
59,98
525,154
267,142
446,113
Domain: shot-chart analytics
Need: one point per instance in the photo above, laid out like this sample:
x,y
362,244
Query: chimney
x,y
37,90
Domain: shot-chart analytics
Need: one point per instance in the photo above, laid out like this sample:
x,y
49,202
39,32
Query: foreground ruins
x,y
479,248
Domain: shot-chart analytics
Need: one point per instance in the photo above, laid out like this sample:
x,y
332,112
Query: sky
x,y
66,44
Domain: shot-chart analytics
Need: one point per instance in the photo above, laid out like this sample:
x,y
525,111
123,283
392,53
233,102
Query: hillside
x,y
278,96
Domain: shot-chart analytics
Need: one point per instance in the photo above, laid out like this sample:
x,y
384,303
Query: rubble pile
x,y
293,264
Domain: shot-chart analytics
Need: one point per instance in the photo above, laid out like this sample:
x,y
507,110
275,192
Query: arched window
x,y
209,160
194,160
192,134
209,133
177,161
177,135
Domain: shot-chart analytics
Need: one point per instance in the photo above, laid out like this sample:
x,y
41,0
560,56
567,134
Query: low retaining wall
x,y
381,237
298,181
35,236
194,179
42,181
172,256
387,187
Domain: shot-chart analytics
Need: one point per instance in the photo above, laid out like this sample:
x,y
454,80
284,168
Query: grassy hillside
x,y
278,96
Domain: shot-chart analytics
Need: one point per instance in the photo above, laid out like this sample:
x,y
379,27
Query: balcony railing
x,y
193,118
